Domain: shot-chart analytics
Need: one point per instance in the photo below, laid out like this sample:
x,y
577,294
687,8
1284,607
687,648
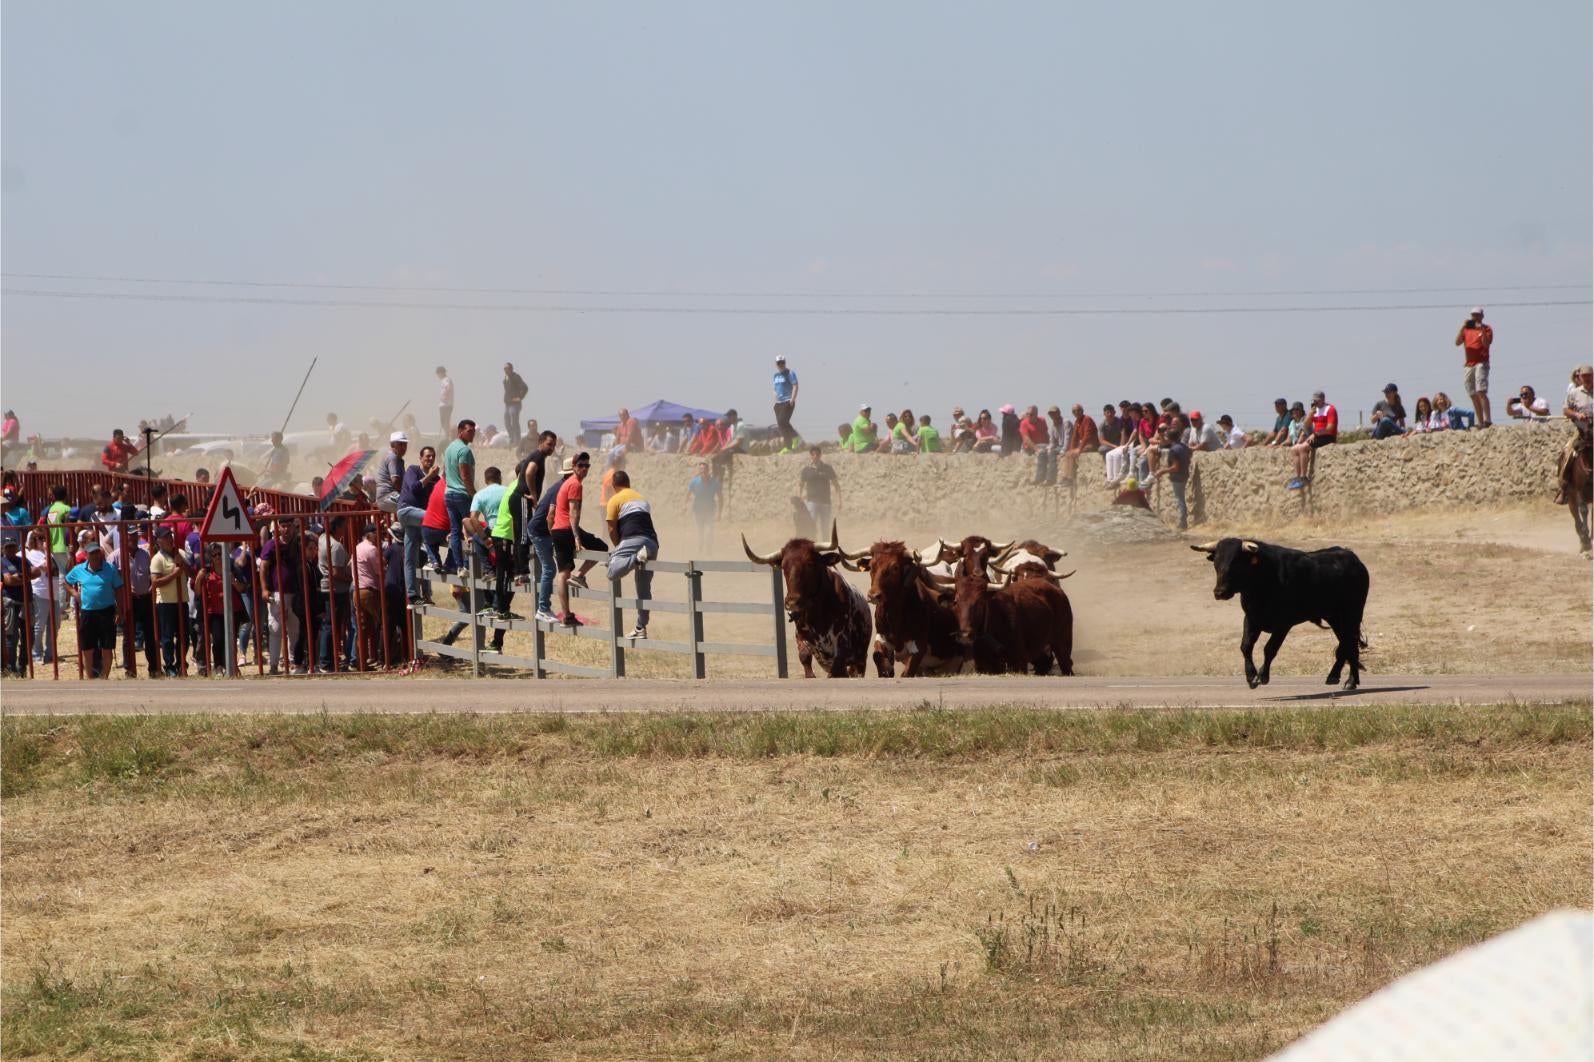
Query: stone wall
x,y
955,494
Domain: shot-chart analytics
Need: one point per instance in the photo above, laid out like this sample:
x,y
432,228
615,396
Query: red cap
x,y
1195,414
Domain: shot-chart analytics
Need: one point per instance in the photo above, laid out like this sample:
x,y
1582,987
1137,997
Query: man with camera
x,y
1476,338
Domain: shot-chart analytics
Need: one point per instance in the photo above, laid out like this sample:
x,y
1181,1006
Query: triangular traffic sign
x,y
227,519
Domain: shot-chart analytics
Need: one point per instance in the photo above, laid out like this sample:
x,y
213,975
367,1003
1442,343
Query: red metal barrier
x,y
121,538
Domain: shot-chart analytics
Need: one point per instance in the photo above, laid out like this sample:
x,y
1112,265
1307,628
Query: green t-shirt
x,y
929,439
862,437
55,516
456,458
504,526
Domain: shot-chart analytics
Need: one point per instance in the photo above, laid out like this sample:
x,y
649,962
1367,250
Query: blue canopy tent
x,y
592,431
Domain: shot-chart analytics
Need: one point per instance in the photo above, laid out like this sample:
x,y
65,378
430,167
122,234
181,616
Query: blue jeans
x,y
542,545
458,508
1178,501
432,538
409,518
170,617
337,602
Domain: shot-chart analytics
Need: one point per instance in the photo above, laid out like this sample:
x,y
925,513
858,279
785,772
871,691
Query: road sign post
x,y
227,520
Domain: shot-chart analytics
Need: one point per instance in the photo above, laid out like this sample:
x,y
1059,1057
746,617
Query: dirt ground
x,y
958,884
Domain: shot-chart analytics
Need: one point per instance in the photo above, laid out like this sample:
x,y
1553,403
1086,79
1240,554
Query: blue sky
x,y
838,152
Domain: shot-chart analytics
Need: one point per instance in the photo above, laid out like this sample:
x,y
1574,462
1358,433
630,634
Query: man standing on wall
x,y
785,384
459,474
1475,338
515,390
445,401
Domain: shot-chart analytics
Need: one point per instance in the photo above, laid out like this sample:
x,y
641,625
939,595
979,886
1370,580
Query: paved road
x,y
350,695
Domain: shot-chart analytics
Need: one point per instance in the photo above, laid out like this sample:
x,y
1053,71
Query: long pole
x,y
394,419
300,393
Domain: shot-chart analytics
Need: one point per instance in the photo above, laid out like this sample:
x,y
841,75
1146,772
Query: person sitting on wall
x,y
1528,406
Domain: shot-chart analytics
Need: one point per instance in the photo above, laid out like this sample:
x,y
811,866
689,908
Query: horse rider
x,y
1579,410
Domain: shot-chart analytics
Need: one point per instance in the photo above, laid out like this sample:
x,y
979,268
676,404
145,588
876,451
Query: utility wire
x,y
608,292
761,311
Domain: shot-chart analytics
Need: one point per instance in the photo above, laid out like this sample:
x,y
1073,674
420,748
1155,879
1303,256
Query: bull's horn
x,y
851,565
1210,547
935,580
1249,546
1054,577
770,560
1001,549
832,547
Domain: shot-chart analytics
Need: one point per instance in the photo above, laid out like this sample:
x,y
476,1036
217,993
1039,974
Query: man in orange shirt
x,y
707,440
1475,338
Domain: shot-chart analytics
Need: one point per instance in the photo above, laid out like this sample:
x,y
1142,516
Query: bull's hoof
x,y
1253,681
1350,684
1263,679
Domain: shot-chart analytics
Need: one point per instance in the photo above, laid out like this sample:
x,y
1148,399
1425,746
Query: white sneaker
x,y
638,634
544,616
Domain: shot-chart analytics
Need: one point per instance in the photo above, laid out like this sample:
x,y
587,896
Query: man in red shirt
x,y
1325,431
1476,338
569,536
707,440
118,453
1084,439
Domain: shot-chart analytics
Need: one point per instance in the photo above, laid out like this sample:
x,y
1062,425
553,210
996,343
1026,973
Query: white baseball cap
x,y
398,436
1477,311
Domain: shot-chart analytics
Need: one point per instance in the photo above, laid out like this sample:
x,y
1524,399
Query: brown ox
x,y
913,616
1026,623
830,615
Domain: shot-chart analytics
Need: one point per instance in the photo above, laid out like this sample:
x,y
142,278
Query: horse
x,y
1579,490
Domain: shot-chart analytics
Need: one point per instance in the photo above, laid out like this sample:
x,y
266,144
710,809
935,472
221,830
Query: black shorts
x,y
96,629
1320,441
564,547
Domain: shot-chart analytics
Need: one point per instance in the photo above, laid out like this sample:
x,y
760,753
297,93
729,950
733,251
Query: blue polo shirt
x,y
98,588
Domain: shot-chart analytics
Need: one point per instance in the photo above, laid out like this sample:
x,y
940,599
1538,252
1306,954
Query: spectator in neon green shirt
x,y
929,438
863,438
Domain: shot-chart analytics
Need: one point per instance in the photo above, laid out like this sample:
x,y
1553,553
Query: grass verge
x,y
949,884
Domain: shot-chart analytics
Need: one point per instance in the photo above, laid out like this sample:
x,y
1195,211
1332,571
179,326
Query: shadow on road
x,y
1335,694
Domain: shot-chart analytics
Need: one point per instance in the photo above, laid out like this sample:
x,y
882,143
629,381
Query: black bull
x,y
1281,587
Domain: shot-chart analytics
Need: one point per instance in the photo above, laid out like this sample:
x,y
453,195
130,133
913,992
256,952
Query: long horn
x,y
851,565
1000,550
1210,547
1054,577
832,547
771,560
935,580
1249,546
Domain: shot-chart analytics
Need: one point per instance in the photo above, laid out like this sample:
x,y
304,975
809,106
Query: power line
x,y
613,292
762,311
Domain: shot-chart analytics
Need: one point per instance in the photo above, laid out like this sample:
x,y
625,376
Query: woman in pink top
x,y
368,595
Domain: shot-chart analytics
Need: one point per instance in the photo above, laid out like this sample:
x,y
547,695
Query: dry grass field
x,y
985,883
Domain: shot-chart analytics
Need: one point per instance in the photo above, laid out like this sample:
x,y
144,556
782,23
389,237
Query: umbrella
x,y
1523,995
340,475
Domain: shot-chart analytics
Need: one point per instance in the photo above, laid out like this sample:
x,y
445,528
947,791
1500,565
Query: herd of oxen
x,y
998,607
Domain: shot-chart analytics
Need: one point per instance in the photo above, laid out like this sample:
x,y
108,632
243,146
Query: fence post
x,y
694,597
539,637
616,619
778,600
471,569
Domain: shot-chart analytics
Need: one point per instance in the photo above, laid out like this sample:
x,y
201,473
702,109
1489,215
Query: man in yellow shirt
x,y
630,520
169,572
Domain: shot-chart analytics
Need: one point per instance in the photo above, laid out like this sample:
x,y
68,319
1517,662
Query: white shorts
x,y
1475,379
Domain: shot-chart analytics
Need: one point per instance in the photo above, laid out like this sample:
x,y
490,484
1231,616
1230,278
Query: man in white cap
x,y
785,386
390,473
1475,338
864,434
